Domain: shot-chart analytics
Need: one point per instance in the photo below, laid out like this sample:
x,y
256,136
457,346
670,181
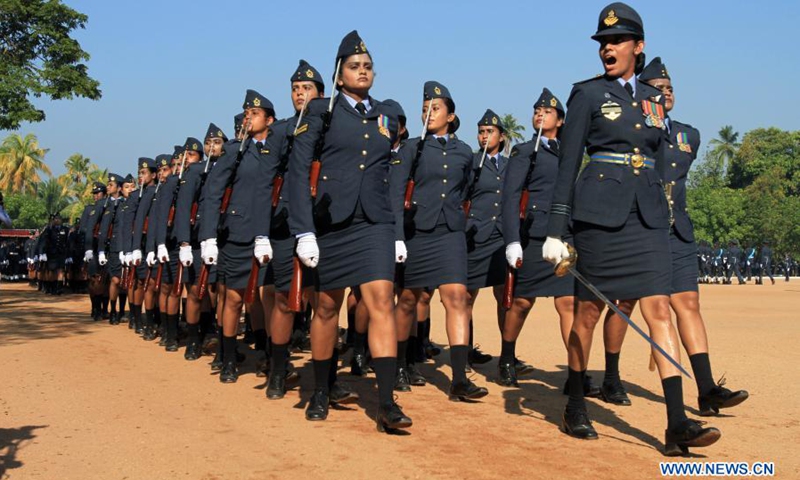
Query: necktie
x,y
259,146
553,144
629,88
442,140
496,162
361,108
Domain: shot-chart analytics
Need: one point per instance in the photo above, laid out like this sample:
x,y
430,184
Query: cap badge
x,y
611,19
553,102
362,47
437,90
494,120
310,73
256,102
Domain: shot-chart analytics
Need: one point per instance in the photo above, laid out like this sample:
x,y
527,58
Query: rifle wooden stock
x,y
96,230
508,286
467,205
252,282
203,282
159,272
171,216
178,285
277,186
407,203
193,214
295,300
226,199
123,278
145,225
313,177
131,275
523,203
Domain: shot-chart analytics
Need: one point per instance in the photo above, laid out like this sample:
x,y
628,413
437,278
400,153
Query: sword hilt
x,y
564,265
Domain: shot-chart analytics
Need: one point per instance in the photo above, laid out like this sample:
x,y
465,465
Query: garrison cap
x,y
113,177
238,120
99,187
129,179
547,99
193,145
306,73
491,119
432,90
149,163
654,70
215,132
351,44
619,19
253,99
163,160
397,117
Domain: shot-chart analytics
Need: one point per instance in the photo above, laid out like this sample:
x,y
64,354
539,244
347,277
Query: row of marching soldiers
x,y
295,212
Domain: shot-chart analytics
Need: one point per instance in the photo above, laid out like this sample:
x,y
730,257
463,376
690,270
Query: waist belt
x,y
635,160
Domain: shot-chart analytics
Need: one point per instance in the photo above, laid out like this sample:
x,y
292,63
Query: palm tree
x,y
514,131
21,161
54,195
724,148
77,167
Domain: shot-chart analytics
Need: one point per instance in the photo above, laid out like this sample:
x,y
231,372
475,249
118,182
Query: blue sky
x,y
169,67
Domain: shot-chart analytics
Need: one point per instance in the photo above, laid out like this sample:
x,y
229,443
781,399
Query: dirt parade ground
x,y
88,400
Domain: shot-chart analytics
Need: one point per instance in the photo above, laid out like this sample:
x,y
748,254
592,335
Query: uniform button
x,y
445,165
494,218
444,181
671,146
498,178
638,126
636,150
671,202
636,171
364,153
534,207
362,166
601,175
444,153
471,215
324,177
366,135
443,195
674,164
233,212
634,104
496,204
364,122
498,191
672,182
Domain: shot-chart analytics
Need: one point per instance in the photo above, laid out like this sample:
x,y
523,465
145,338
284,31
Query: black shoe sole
x,y
731,402
348,399
608,399
392,428
565,430
474,396
674,449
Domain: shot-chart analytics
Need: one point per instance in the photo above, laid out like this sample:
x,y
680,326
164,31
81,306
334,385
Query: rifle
x,y
226,200
252,282
316,165
195,204
277,184
171,215
96,228
410,183
471,190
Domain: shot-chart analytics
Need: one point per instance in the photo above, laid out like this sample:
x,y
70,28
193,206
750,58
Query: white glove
x,y
554,250
136,257
185,256
30,260
400,252
122,258
513,254
151,259
308,250
43,257
163,254
262,250
36,259
209,251
88,256
128,259
101,258
68,261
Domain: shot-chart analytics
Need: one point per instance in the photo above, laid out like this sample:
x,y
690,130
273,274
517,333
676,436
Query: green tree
x,y
21,161
724,148
38,57
54,195
78,167
514,131
761,151
27,211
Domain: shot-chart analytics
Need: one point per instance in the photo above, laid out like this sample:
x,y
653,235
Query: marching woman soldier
x,y
346,230
167,250
485,247
535,172
620,217
106,255
90,244
684,143
147,181
306,85
433,229
189,202
244,226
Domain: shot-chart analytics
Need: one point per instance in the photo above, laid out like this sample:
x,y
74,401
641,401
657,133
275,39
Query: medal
x,y
683,143
653,113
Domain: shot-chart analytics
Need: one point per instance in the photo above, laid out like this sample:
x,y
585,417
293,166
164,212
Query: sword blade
x,y
616,310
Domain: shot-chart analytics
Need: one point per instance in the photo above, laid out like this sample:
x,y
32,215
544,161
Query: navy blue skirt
x,y
114,266
436,257
235,263
684,264
191,274
278,272
486,262
170,271
354,252
624,263
536,277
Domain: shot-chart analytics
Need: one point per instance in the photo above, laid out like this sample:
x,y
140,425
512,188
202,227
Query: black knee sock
x,y
137,315
701,367
458,360
424,329
508,351
150,318
279,355
123,299
360,343
471,336
333,367
229,348
220,341
172,328
104,304
260,336
673,397
113,305
612,368
411,350
401,353
385,368
322,370
205,323
351,326
575,390
95,303
193,333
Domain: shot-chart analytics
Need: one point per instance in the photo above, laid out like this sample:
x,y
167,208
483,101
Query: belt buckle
x,y
637,160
